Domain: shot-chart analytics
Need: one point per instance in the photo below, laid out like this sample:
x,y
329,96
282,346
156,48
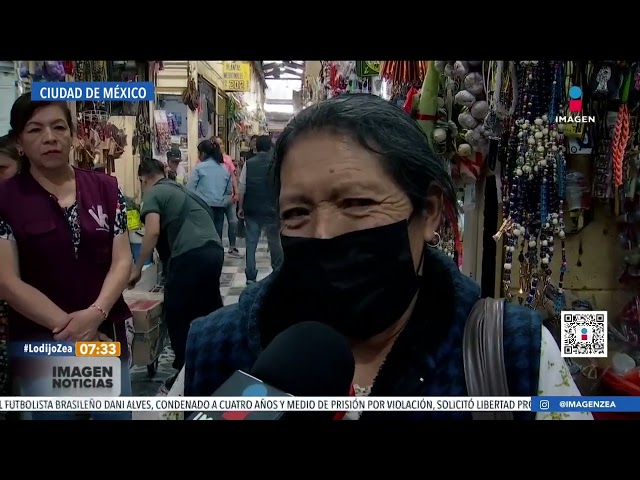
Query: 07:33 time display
x,y
97,349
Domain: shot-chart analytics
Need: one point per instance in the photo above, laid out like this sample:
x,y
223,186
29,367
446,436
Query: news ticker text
x,y
583,334
64,349
322,404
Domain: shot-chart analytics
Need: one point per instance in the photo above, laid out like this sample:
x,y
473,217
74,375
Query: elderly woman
x,y
361,197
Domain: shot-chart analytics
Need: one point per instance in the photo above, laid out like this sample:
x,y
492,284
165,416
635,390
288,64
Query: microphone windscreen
x,y
308,359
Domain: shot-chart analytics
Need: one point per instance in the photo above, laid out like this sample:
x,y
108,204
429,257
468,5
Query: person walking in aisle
x,y
257,205
180,226
211,180
175,171
252,147
230,210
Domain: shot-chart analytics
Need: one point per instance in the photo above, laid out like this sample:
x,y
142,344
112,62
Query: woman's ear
x,y
432,214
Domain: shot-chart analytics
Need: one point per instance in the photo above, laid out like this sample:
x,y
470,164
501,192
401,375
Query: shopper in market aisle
x,y
181,227
175,171
253,151
361,198
9,162
212,181
9,159
257,206
230,210
70,229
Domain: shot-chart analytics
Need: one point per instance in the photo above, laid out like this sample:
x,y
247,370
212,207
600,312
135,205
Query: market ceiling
x,y
283,69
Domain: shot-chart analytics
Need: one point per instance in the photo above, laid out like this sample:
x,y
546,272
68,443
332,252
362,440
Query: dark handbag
x,y
483,351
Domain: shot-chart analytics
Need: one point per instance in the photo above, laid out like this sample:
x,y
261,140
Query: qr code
x,y
583,334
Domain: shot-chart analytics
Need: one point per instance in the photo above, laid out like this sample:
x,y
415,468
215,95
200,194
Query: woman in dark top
x,y
9,162
361,199
69,227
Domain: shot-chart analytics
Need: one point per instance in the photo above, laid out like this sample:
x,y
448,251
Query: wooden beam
x,y
257,66
292,72
292,65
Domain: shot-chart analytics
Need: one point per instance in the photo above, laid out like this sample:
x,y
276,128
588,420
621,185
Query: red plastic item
x,y
408,104
614,384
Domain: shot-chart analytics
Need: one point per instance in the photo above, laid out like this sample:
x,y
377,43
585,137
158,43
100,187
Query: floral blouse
x,y
554,379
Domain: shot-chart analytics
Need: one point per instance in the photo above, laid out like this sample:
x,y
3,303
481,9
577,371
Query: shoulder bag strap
x,y
483,351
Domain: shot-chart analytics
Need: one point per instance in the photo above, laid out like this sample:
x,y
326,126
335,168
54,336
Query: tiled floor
x,y
232,282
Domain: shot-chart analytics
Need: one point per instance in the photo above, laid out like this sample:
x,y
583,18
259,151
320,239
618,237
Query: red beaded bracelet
x,y
104,314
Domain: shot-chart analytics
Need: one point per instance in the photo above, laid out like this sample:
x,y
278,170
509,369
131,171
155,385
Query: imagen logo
x,y
575,99
583,334
575,108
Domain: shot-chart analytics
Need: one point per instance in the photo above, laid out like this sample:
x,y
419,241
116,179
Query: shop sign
x,y
236,76
367,68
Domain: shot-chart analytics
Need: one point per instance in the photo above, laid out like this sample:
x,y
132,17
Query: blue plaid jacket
x,y
229,340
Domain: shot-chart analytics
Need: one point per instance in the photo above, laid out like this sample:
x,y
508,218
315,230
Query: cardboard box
x,y
131,296
146,312
148,346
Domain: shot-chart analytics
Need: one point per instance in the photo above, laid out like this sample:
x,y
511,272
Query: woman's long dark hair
x,y
210,150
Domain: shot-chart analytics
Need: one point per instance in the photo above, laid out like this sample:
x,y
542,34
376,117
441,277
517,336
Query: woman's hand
x,y
83,326
134,276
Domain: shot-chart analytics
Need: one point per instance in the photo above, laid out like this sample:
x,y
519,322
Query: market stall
x,y
206,109
95,145
547,158
337,78
239,124
566,139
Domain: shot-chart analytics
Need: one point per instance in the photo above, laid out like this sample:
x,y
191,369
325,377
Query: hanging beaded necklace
x,y
555,220
533,183
512,192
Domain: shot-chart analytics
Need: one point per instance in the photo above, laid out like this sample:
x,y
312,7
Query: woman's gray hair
x,y
383,129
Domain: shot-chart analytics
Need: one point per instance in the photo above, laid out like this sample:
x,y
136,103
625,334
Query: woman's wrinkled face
x,y
330,186
8,166
46,139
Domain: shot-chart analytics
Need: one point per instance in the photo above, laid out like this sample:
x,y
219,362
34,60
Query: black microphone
x,y
309,359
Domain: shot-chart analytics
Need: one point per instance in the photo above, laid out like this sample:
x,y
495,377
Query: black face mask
x,y
359,283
